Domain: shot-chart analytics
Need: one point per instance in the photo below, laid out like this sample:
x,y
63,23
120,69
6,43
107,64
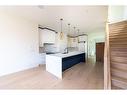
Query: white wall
x,y
18,44
125,12
93,38
117,13
46,36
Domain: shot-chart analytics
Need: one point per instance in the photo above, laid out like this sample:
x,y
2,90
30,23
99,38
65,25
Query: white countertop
x,y
66,55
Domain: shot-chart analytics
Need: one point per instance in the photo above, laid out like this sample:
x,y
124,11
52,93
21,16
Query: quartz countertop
x,y
66,55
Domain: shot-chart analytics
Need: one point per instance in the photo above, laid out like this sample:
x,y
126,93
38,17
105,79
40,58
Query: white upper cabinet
x,y
46,36
82,38
82,46
74,42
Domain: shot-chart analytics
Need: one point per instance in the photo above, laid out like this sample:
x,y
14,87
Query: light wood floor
x,y
80,76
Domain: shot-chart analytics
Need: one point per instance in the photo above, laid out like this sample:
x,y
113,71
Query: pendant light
x,y
74,31
68,28
78,35
69,41
78,31
74,35
61,33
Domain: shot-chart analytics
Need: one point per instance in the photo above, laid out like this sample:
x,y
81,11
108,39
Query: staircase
x,y
118,54
119,78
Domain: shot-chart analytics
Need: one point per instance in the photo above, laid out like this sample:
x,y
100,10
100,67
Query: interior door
x,y
100,52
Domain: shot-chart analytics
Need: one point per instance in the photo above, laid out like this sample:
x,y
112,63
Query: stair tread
x,y
113,62
119,73
119,82
115,87
118,69
123,80
119,66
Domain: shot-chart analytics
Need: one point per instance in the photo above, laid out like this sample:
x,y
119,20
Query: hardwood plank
x,y
119,59
119,82
80,76
118,53
117,25
115,87
119,73
121,49
118,65
116,31
116,39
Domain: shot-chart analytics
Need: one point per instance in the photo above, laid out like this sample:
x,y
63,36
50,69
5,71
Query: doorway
x,y
100,52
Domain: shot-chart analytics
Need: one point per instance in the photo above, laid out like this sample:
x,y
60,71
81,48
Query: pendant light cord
x,y
68,28
74,31
78,31
61,23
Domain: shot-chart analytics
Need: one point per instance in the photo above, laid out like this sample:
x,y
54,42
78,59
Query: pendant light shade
x,y
68,28
78,35
61,22
74,35
69,40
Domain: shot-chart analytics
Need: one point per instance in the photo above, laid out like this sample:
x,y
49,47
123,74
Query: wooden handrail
x,y
107,72
47,29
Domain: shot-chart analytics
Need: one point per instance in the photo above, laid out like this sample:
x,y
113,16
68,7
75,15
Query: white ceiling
x,y
85,18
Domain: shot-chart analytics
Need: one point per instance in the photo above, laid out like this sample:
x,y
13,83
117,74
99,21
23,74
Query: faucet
x,y
66,50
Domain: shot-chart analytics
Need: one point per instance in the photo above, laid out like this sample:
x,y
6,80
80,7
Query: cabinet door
x,y
72,60
74,42
46,36
81,46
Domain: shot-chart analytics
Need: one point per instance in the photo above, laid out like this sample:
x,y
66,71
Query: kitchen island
x,y
57,63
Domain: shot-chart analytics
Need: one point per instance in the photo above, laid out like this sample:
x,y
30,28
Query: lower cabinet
x,y
72,60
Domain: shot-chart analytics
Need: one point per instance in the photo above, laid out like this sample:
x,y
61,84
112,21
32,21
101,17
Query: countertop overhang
x,y
66,55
